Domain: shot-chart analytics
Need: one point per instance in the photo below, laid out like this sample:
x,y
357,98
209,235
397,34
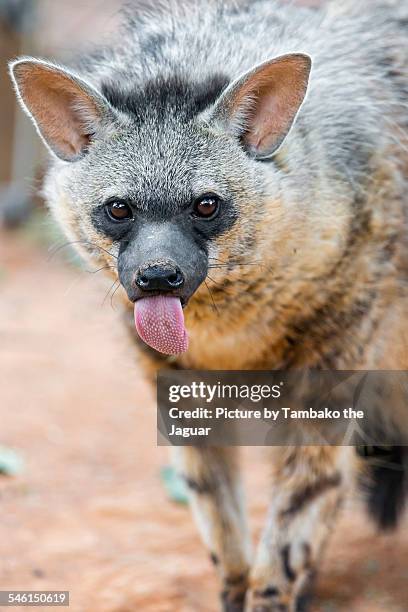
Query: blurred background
x,y
84,503
43,28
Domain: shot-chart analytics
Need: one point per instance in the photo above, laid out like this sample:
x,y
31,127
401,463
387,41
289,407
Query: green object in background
x,y
11,463
329,606
174,485
371,566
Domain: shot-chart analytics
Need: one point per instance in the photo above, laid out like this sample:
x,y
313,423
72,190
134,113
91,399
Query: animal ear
x,y
66,110
261,106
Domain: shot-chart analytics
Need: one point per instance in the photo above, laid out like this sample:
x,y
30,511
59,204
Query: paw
x,y
234,595
271,600
268,600
270,607
234,606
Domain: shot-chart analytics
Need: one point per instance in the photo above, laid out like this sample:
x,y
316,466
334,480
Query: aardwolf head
x,y
167,176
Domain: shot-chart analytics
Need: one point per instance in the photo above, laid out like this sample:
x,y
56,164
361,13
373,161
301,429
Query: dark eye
x,y
118,210
206,206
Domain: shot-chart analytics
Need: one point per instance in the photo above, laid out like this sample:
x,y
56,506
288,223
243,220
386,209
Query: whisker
x,y
66,244
214,281
108,292
212,299
220,287
113,295
99,269
216,259
232,265
236,263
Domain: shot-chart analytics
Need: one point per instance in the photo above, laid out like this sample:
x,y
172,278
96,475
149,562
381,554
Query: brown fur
x,y
312,273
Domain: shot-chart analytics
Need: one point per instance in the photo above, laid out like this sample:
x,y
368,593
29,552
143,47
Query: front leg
x,y
307,491
211,475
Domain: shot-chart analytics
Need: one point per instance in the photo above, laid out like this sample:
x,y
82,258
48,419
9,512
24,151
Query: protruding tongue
x,y
160,323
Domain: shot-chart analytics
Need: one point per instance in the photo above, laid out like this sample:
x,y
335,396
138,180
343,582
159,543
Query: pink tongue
x,y
160,323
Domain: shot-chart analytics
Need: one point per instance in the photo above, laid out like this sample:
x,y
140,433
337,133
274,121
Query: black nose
x,y
159,277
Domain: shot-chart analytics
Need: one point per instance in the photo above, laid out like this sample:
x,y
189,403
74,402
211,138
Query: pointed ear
x,y
261,106
66,110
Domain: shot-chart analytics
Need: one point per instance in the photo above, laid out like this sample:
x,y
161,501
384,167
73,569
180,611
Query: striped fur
x,y
311,270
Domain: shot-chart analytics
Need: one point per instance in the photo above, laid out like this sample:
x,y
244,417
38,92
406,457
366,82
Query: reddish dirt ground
x,y
89,514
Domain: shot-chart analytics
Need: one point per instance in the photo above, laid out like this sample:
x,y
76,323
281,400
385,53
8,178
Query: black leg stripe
x,y
285,554
305,496
268,593
201,488
234,580
215,560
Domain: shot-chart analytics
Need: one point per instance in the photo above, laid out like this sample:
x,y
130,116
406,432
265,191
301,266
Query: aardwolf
x,y
241,169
